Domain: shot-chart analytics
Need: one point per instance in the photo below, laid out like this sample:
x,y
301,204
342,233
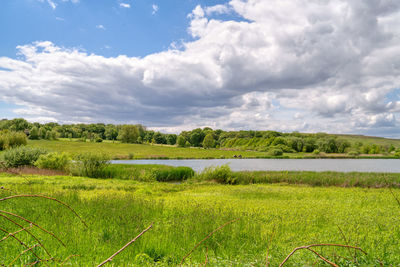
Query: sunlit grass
x,y
183,214
137,151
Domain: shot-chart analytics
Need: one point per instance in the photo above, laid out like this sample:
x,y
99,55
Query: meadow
x,y
273,219
117,150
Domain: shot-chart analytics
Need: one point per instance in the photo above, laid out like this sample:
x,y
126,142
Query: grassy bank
x,y
146,151
224,175
138,151
183,214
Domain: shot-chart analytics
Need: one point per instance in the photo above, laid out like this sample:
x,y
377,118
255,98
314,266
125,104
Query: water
x,y
338,165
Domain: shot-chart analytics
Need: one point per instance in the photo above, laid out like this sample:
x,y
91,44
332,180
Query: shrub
x,y
275,152
53,161
353,153
316,152
98,140
221,174
173,174
12,139
89,165
22,156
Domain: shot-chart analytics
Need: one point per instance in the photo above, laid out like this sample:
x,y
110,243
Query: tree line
x,y
206,137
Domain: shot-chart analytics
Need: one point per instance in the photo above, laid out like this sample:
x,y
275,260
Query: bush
x,y
173,174
89,165
353,153
316,152
275,152
221,174
22,156
98,140
12,139
53,161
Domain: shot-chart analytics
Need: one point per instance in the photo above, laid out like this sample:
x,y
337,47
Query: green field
x,y
183,214
124,151
119,150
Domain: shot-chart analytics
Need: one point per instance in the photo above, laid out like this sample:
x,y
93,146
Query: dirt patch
x,y
33,171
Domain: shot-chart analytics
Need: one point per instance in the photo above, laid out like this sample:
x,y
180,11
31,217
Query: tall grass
x,y
12,139
183,214
161,173
224,175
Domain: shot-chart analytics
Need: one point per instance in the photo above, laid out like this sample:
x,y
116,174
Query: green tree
x,y
159,138
34,133
111,132
171,139
181,141
208,141
128,134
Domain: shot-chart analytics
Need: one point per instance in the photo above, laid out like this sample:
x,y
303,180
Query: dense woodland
x,y
275,142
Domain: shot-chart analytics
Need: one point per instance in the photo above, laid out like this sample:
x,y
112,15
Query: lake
x,y
319,165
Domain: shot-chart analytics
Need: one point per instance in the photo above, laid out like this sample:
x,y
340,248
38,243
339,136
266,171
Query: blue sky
x,y
135,31
308,66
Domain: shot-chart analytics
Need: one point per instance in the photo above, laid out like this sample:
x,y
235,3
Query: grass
x,y
147,172
183,214
136,151
328,178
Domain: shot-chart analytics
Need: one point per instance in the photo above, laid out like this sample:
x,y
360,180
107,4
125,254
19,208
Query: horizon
x,y
323,66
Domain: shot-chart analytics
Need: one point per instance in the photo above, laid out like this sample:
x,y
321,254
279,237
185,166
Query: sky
x,y
286,65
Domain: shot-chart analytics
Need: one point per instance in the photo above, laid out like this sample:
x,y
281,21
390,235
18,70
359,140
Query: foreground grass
x,y
183,214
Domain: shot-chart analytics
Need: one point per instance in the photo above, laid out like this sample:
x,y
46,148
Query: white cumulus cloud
x,y
286,65
155,9
125,5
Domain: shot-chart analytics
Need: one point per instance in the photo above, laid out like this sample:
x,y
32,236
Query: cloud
x,y
301,65
155,9
217,9
125,5
51,4
101,27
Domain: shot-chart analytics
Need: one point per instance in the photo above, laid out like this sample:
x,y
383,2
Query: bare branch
x,y
204,239
70,256
46,197
26,230
320,245
16,232
38,226
124,247
26,250
41,260
205,263
322,258
269,243
21,243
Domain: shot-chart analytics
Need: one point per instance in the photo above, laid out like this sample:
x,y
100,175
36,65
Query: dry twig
x,y
21,243
16,232
124,247
23,252
205,263
26,230
70,256
204,239
320,245
269,243
35,224
50,198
